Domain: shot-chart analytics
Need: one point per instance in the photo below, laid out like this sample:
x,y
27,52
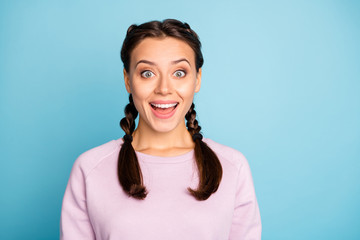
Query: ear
x,y
127,81
198,81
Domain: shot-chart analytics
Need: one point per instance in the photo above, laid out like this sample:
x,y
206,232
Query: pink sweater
x,y
95,206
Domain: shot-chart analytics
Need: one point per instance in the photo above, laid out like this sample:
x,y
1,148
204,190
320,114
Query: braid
x,y
192,123
128,122
129,172
208,164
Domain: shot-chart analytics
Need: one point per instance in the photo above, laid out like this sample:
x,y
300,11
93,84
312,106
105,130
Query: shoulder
x,y
227,155
91,158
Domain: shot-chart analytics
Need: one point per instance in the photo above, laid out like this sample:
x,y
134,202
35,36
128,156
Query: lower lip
x,y
163,116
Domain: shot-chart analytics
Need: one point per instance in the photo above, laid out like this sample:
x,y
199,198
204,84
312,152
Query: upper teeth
x,y
164,105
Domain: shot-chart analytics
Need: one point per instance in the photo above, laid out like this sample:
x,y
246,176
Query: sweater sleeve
x,y
75,222
246,223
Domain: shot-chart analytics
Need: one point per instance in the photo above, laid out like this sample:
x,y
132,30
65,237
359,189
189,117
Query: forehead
x,y
162,50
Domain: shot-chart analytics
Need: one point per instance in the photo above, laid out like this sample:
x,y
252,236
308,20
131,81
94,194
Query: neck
x,y
172,143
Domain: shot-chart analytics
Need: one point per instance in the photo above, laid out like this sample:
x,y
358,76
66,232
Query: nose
x,y
164,86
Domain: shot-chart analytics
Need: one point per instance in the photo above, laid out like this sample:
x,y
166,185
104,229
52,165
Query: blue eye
x,y
147,74
180,73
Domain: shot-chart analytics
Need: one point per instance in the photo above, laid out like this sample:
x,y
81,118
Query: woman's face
x,y
162,79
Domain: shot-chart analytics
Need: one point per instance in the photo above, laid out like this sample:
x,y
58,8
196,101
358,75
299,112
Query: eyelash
x,y
142,73
179,70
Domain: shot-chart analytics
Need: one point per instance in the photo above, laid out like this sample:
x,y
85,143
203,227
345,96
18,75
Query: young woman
x,y
162,180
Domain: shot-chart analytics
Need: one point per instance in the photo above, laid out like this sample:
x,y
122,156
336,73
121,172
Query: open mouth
x,y
164,110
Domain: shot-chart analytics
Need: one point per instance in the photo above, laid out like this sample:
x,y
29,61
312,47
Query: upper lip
x,y
163,102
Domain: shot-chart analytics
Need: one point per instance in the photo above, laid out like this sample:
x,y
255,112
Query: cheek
x,y
186,90
140,90
140,96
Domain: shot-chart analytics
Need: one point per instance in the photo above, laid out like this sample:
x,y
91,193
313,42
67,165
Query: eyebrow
x,y
154,64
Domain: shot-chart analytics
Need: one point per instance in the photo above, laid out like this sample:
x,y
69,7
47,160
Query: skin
x,y
162,69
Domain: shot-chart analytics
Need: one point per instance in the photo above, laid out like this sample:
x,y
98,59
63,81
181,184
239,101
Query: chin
x,y
164,128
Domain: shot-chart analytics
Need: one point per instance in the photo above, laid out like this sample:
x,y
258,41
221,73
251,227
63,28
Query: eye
x,y
147,74
180,73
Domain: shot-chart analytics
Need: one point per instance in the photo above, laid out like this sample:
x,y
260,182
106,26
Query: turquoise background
x,y
281,83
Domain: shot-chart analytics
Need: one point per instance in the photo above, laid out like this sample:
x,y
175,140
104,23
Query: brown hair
x,y
208,164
